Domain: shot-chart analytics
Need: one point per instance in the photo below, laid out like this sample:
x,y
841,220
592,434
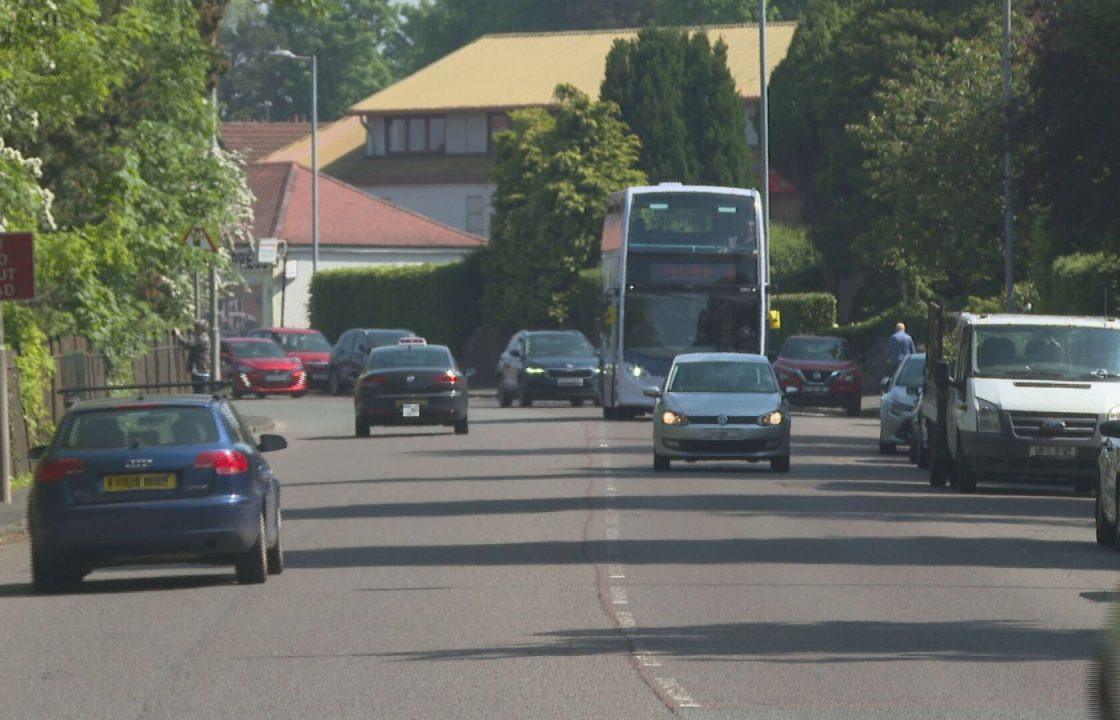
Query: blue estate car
x,y
162,479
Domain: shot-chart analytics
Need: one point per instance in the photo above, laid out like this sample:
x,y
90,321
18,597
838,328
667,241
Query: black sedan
x,y
410,384
548,365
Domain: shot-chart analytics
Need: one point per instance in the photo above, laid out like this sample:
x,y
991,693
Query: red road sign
x,y
17,266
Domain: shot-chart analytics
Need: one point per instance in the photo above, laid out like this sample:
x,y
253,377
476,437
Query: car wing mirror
x,y
1111,429
885,384
271,443
36,452
652,392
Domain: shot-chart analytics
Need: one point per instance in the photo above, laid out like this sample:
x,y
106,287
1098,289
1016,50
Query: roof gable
x,y
523,70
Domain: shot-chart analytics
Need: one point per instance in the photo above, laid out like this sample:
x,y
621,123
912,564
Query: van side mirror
x,y
885,384
1111,429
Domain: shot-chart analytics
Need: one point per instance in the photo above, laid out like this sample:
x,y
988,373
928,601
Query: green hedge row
x,y
802,314
1083,283
440,302
868,338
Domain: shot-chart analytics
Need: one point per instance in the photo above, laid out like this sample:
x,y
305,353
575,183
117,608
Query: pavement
x,y
539,568
13,515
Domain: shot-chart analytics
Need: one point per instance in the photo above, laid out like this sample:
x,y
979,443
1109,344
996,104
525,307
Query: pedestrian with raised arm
x,y
198,354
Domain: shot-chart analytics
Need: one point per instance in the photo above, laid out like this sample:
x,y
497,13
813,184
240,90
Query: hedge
x,y
1082,283
802,313
440,302
868,338
795,264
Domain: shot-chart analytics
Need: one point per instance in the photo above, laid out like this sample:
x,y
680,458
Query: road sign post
x,y
17,282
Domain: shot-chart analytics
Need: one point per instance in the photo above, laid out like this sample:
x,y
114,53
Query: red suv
x,y
308,345
261,367
821,370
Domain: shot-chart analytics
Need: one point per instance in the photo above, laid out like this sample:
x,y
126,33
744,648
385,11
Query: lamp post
x,y
1008,197
764,152
278,52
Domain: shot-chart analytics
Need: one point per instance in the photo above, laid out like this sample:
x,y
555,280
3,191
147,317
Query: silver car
x,y
720,406
900,395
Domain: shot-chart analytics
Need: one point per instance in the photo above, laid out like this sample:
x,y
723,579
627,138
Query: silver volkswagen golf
x,y
720,406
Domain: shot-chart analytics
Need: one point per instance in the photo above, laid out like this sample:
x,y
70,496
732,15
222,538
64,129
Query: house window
x,y
497,122
476,215
416,135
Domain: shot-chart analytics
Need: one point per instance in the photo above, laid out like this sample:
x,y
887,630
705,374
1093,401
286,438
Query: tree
x,y
554,172
841,56
348,37
934,170
435,28
677,94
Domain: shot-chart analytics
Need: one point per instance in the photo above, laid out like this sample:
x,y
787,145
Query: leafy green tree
x,y
843,53
934,170
435,28
676,92
554,172
347,36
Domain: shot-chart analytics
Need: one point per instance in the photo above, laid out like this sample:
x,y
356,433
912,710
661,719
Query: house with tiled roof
x,y
355,230
426,142
254,140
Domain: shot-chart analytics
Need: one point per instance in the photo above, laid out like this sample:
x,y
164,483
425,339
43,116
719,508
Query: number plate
x,y
276,377
132,483
410,410
318,376
1063,452
728,434
569,382
815,390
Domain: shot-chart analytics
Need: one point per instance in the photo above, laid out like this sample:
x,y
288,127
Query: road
x,y
538,568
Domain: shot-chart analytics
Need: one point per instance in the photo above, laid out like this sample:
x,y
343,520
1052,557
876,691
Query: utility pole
x,y
764,152
288,54
1008,197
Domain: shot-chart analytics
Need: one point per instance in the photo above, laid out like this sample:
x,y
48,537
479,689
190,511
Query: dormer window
x,y
416,135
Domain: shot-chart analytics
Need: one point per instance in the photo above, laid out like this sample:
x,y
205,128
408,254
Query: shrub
x,y
795,264
802,314
440,302
1084,283
868,338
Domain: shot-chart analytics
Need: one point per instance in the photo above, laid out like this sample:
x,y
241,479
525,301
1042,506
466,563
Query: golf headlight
x,y
1114,413
636,371
673,418
535,371
774,418
987,416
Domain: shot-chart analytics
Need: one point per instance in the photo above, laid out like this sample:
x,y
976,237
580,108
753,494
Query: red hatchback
x,y
821,370
261,367
308,345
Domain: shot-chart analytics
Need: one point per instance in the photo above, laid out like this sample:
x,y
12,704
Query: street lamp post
x,y
278,52
764,152
1008,197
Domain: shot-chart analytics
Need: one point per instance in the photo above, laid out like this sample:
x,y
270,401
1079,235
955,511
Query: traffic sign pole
x,y
6,435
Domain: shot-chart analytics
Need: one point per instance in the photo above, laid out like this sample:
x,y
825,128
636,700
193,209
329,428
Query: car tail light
x,y
374,380
222,462
55,470
447,378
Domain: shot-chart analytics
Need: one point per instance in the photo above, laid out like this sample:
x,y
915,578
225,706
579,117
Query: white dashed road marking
x,y
618,596
676,693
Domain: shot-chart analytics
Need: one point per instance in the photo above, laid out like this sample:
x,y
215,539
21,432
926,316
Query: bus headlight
x,y
673,418
987,416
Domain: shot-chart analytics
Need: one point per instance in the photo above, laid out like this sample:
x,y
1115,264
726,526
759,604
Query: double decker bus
x,y
685,269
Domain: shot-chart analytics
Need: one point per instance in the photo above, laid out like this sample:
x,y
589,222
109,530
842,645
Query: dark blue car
x,y
163,479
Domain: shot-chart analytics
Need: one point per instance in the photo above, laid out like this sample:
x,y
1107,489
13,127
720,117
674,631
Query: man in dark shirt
x,y
198,354
898,347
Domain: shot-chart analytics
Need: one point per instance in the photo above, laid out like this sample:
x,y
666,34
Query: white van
x,y
1019,396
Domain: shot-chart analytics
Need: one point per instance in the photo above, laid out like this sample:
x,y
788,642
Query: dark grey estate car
x,y
548,365
351,352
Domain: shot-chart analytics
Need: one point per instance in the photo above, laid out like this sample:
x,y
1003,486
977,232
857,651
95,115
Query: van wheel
x,y
1106,531
504,398
462,427
661,463
251,567
966,476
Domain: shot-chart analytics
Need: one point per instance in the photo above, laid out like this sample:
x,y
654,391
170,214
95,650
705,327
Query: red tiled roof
x,y
254,140
347,216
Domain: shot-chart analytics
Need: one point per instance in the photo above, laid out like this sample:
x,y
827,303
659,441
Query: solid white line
x,y
618,596
676,693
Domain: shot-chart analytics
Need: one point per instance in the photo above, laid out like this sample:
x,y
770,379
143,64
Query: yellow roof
x,y
522,70
335,140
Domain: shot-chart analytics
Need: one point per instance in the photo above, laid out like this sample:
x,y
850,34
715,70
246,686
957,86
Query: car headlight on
x,y
673,418
1114,413
769,419
987,416
535,371
636,371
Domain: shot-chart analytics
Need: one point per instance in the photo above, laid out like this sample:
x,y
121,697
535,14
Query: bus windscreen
x,y
693,222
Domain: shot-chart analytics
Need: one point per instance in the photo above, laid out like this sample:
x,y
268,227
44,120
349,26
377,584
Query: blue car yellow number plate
x,y
132,483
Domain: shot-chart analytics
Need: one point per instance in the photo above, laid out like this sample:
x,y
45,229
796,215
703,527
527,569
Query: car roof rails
x,y
71,395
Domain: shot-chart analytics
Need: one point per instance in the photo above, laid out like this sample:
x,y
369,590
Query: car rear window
x,y
256,349
139,427
811,348
410,357
381,338
723,377
304,342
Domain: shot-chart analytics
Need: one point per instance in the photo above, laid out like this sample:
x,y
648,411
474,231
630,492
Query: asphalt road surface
x,y
538,568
